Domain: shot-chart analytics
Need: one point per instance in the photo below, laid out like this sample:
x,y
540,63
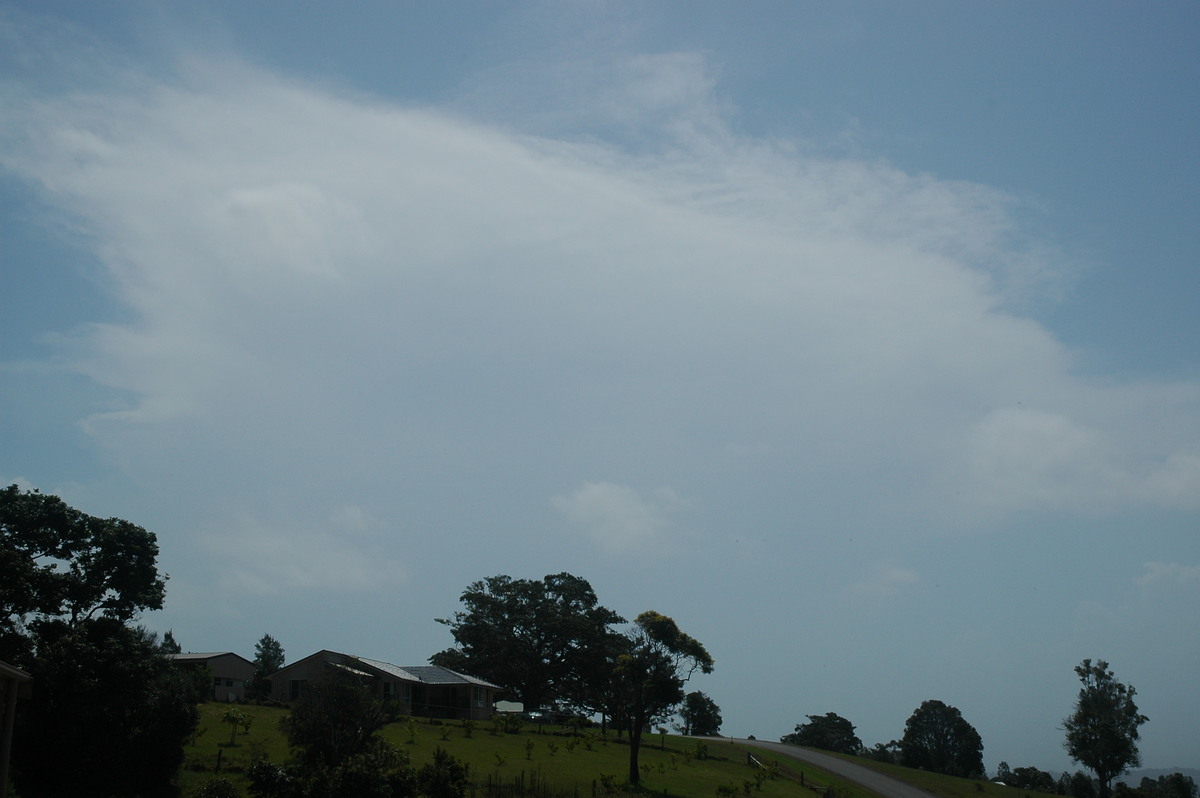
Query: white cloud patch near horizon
x,y
342,294
260,558
618,518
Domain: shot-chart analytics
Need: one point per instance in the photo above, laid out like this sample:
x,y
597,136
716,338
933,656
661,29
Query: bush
x,y
444,777
218,788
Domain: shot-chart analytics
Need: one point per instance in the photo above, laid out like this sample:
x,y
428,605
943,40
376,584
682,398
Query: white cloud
x,y
1168,573
307,277
258,558
886,580
618,518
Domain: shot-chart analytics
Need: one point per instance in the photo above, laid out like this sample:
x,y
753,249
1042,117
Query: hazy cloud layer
x,y
352,345
301,267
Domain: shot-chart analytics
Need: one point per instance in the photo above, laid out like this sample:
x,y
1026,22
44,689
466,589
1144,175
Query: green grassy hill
x,y
552,760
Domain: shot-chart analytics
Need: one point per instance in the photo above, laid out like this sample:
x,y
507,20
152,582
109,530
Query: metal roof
x,y
426,674
433,674
389,668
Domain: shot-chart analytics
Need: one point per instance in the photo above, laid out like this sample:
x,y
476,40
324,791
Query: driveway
x,y
872,780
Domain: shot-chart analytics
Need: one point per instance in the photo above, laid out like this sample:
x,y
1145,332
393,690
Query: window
x,y
480,696
294,688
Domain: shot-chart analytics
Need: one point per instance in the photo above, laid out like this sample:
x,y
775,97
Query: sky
x,y
860,338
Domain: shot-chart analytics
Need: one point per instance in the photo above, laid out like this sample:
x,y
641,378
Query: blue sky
x,y
859,338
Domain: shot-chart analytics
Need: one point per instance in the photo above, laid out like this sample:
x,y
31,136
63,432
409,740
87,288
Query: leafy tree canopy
x,y
539,639
1102,732
337,753
268,658
169,644
334,719
650,674
937,738
61,563
700,714
830,732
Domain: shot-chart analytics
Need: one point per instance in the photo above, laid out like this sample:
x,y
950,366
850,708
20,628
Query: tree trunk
x,y
635,742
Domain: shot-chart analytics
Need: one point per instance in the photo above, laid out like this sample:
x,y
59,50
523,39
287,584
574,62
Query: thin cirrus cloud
x,y
305,274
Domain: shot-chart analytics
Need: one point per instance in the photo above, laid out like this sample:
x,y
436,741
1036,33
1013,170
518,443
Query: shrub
x,y
444,777
218,788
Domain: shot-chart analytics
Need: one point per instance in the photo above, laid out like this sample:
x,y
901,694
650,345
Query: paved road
x,y
871,779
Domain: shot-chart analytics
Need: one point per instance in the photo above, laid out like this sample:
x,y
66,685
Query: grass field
x,y
561,764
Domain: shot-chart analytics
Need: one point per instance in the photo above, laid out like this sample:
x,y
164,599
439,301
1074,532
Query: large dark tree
x,y
937,738
104,690
700,715
539,639
650,673
1102,732
107,698
830,732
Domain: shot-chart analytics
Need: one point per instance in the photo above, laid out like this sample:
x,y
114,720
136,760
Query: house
x,y
421,690
231,673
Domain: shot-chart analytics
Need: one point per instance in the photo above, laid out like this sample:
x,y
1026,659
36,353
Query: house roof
x,y
426,674
8,672
389,668
420,674
433,674
205,656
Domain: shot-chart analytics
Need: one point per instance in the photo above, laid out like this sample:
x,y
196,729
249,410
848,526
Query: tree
x,y
169,645
650,673
444,777
538,639
1175,785
830,732
61,563
937,738
332,731
268,658
105,690
700,714
1030,778
1102,732
888,752
105,693
334,718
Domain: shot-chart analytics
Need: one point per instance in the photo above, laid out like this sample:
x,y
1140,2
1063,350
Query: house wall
x,y
231,676
454,701
287,683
